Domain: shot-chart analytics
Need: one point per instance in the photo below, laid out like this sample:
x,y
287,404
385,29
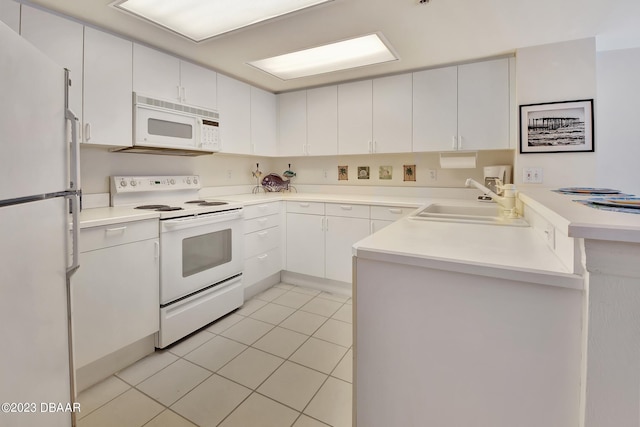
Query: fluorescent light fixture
x,y
342,55
202,19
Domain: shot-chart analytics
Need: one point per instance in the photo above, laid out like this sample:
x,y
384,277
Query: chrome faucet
x,y
507,200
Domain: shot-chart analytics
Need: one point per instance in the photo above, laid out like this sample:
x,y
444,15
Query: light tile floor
x,y
283,359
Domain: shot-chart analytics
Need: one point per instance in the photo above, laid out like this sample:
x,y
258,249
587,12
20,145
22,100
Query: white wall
x,y
558,72
97,164
618,111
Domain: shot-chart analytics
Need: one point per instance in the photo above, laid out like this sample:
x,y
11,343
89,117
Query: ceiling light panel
x,y
202,19
342,55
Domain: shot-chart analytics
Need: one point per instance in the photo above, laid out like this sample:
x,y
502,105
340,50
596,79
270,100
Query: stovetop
x,y
170,196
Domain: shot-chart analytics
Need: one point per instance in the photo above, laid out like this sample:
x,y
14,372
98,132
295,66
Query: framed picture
x,y
343,173
385,172
363,172
557,127
409,172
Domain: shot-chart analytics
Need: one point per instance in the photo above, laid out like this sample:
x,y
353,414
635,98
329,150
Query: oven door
x,y
199,251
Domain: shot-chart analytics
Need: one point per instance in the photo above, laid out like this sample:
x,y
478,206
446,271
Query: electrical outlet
x,y
532,175
433,174
325,173
229,174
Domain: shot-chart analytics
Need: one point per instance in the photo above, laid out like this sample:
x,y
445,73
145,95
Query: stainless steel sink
x,y
476,214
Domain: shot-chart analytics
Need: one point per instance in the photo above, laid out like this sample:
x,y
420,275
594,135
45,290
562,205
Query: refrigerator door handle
x,y
74,162
75,233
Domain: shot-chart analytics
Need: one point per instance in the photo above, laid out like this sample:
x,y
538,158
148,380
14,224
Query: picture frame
x,y
385,172
363,172
557,127
343,173
409,172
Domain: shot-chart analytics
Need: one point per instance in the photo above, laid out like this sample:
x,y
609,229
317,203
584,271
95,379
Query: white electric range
x,y
200,250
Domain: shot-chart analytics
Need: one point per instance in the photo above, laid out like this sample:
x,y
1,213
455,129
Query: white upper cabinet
x,y
61,40
155,73
322,121
234,104
392,114
483,105
199,85
355,105
107,89
435,109
10,14
292,124
164,76
462,108
263,122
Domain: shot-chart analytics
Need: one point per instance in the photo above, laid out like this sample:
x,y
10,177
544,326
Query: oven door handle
x,y
196,221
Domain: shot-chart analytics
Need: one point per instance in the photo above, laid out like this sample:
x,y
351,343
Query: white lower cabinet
x,y
381,216
262,242
320,237
115,294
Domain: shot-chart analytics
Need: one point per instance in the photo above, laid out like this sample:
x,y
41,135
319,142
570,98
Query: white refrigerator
x,y
39,195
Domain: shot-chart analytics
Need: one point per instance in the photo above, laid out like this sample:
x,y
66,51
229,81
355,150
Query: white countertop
x,y
401,201
516,253
582,221
96,217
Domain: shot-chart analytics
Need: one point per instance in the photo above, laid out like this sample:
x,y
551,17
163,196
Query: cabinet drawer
x,y
261,223
263,209
389,213
313,208
261,241
117,234
261,266
348,210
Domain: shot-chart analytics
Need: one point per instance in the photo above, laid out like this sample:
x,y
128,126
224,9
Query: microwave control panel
x,y
210,134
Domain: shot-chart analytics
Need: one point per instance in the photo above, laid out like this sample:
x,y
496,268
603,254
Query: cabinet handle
x,y
87,132
374,147
184,94
263,257
454,142
326,224
113,230
304,205
263,233
262,207
459,142
395,211
156,247
370,146
346,207
262,220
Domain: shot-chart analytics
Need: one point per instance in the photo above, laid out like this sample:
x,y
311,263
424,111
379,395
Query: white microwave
x,y
173,128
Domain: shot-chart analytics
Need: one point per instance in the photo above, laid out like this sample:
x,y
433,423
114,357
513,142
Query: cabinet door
x,y
107,89
322,121
355,117
234,101
305,244
156,74
10,14
114,306
263,122
341,234
435,109
392,114
61,40
483,105
199,86
292,123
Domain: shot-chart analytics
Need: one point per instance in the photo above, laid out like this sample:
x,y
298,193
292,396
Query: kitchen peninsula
x,y
490,326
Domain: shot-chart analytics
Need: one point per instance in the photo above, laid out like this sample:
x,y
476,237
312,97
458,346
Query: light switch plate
x,y
532,175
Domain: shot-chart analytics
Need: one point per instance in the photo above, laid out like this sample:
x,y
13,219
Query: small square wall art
x,y
363,172
343,173
409,172
385,172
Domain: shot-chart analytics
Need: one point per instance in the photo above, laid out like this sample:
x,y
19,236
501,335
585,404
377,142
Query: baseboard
x,y
255,288
319,283
97,371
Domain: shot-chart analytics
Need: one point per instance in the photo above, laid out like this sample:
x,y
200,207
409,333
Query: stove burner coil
x,y
205,203
152,207
168,209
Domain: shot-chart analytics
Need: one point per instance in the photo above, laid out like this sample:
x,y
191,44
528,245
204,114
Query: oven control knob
x,y
133,183
172,181
123,183
189,181
195,181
